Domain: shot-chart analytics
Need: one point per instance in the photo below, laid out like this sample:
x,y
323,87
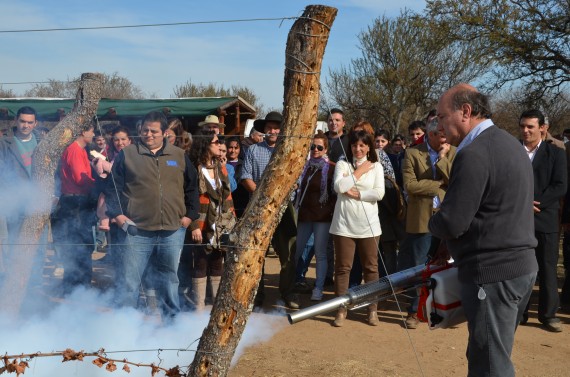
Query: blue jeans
x,y
492,322
305,259
414,251
136,252
321,234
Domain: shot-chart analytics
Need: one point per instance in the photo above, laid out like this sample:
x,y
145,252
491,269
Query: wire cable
x,y
148,25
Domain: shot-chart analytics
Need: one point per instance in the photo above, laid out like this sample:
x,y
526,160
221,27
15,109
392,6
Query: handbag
x,y
225,223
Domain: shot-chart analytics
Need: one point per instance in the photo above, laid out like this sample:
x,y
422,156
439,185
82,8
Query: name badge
x,y
171,163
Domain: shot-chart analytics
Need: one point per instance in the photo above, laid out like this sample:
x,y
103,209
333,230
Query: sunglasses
x,y
217,142
320,148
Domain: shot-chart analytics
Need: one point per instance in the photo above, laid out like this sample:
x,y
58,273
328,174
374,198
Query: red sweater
x,y
76,178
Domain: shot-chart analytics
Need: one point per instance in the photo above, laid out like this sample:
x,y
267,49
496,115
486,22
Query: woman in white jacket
x,y
359,183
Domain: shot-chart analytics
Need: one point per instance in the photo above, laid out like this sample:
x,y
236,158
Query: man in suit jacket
x,y
550,180
426,176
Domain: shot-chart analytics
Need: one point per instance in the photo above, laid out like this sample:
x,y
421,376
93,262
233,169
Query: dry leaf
x,y
111,367
173,372
126,368
154,370
99,362
68,354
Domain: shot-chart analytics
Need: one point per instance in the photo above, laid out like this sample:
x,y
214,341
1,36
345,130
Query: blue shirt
x,y
256,159
474,133
433,157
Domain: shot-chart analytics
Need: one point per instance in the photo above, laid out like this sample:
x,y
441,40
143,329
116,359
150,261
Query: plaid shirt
x,y
256,159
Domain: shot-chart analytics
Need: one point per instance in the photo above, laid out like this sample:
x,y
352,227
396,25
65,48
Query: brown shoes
x,y
340,317
412,321
373,315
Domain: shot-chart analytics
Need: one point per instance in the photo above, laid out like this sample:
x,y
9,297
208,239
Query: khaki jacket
x,y
421,187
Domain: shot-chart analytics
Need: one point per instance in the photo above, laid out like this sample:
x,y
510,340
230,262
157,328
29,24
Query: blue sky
x,y
157,59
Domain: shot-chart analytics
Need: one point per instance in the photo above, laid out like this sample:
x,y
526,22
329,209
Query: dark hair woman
x,y
359,183
216,214
315,201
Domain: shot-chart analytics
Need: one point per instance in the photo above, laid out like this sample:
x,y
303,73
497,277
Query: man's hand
x,y
120,220
197,235
441,255
535,205
185,222
444,150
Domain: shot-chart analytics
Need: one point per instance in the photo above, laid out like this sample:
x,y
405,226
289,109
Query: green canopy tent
x,y
233,111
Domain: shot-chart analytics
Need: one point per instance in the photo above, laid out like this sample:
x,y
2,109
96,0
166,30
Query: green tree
x,y
190,89
114,87
527,40
509,105
6,93
406,63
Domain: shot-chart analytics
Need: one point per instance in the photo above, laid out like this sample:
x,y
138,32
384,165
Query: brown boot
x,y
340,317
373,315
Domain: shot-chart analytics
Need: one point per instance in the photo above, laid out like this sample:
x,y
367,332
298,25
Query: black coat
x,y
550,184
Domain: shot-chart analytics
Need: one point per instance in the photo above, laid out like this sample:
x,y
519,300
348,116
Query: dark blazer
x,y
337,151
550,183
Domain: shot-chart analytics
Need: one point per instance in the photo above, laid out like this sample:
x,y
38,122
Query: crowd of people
x,y
367,204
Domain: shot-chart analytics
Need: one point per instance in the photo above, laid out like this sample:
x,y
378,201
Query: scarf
x,y
316,164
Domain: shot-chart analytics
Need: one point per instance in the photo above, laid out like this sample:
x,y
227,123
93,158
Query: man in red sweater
x,y
77,212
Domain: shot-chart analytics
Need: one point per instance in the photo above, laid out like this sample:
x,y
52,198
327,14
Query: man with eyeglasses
x,y
284,239
153,197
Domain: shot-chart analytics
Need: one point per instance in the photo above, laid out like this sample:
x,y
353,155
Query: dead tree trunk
x,y
45,162
305,49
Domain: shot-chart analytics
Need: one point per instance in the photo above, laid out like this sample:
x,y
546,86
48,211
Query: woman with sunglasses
x,y
216,204
359,183
315,202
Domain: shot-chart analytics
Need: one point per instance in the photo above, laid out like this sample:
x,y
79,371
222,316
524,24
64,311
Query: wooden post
x,y
45,161
304,52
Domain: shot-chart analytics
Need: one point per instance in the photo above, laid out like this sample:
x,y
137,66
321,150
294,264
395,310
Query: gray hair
x,y
432,126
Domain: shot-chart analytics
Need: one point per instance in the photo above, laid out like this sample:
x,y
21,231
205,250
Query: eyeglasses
x,y
217,142
320,148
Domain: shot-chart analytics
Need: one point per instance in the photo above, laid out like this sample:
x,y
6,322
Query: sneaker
x,y
553,326
302,287
291,301
271,252
412,321
317,295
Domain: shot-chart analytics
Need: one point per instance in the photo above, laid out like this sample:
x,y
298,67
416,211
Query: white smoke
x,y
84,322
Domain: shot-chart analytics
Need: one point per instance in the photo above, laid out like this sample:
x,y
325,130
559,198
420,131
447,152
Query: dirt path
x,y
314,348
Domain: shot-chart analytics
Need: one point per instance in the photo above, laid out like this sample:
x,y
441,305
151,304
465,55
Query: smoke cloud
x,y
84,322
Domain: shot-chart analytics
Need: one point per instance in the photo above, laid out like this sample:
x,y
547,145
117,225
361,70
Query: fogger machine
x,y
440,303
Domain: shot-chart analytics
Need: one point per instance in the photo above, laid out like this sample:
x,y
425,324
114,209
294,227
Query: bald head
x,y
460,109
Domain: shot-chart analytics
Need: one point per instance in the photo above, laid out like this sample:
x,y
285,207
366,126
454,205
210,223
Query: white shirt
x,y
357,218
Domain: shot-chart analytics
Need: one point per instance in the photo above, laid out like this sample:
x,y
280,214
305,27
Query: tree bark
x,y
45,161
304,52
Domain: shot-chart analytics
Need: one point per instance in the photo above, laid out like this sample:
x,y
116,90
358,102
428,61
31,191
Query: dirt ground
x,y
314,348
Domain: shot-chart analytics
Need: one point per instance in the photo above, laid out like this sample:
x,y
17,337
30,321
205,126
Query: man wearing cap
x,y
211,123
284,240
254,137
